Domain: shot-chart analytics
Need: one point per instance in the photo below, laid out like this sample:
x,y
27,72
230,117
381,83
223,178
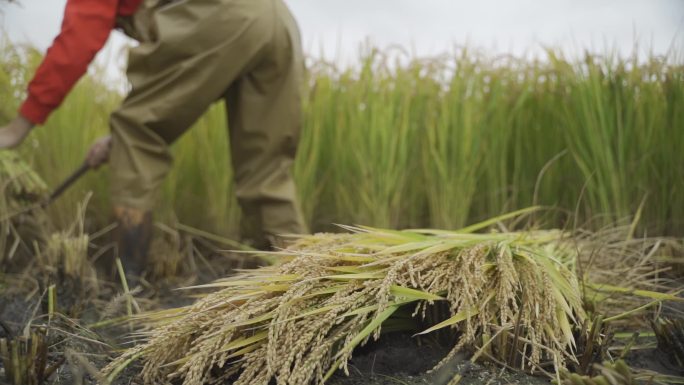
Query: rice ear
x,y
299,323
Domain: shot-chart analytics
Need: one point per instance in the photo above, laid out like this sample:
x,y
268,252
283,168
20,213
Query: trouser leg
x,y
133,235
203,46
264,113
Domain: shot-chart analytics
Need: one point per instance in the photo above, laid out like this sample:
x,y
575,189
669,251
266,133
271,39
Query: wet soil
x,y
399,359
395,359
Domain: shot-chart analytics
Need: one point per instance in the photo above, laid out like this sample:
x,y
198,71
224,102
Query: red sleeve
x,y
85,30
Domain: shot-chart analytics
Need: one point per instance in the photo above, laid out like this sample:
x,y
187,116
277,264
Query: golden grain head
x,y
301,321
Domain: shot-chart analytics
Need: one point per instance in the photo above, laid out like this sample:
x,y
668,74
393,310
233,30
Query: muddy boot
x,y
133,235
251,226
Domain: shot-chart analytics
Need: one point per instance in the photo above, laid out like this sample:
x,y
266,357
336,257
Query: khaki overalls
x,y
192,54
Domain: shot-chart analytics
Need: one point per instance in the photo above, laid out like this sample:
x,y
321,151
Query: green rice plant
x,y
514,297
456,133
495,134
21,189
14,75
523,162
402,142
362,174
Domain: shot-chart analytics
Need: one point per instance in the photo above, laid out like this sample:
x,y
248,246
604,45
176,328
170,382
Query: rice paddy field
x,y
544,199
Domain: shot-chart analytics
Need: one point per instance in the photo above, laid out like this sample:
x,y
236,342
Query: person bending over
x,y
191,54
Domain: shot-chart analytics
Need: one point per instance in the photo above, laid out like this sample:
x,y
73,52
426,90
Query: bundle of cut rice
x,y
513,297
300,321
20,187
19,183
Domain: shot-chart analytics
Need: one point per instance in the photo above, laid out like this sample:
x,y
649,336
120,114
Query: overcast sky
x,y
336,28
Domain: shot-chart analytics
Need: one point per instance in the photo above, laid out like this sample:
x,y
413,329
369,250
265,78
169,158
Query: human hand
x,y
14,133
99,152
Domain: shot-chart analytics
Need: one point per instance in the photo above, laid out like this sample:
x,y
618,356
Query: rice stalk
x,y
522,299
165,256
623,276
670,335
617,373
24,358
20,189
21,184
65,255
299,322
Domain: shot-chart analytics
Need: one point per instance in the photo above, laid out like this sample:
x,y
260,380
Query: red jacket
x,y
85,30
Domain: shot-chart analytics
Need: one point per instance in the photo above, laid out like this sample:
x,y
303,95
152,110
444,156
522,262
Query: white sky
x,y
337,28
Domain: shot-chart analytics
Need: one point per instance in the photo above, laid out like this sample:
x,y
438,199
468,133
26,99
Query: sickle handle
x,y
67,183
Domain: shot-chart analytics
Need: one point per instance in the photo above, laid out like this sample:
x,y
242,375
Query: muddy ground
x,y
398,360
394,359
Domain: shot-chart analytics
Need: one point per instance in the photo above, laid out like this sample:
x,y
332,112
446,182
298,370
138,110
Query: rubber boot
x,y
251,228
133,235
